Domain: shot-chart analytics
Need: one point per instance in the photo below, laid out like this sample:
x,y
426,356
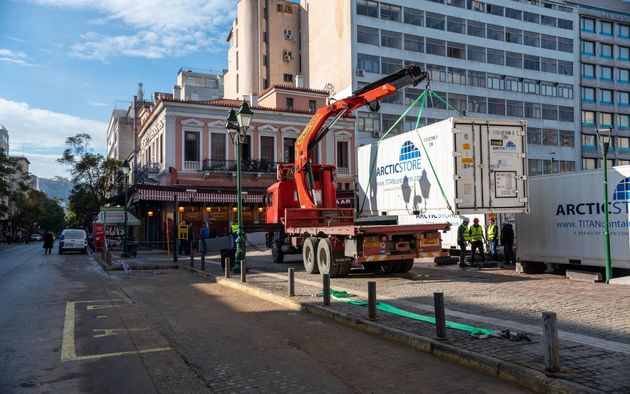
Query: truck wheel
x,y
344,269
324,258
309,252
277,254
387,267
405,265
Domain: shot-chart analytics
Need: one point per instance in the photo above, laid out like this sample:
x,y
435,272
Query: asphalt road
x,y
65,326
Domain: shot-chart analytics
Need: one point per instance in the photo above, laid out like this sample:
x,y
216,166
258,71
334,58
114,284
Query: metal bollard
x,y
326,279
291,282
203,262
192,255
228,266
372,300
551,347
244,271
108,257
440,316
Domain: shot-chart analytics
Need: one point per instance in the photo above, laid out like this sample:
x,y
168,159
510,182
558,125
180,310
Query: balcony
x,y
149,172
246,166
343,171
192,166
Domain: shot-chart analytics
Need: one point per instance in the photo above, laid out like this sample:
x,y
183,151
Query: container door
x,y
466,142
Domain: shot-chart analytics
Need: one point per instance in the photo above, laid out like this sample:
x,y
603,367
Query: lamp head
x,y
231,123
125,167
244,115
604,137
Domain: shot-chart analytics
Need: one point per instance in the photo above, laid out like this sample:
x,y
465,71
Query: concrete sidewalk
x,y
594,336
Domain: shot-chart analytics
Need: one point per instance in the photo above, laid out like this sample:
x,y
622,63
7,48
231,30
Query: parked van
x,y
73,239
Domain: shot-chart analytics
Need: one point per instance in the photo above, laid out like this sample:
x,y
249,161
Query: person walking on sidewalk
x,y
48,243
204,234
507,240
475,234
492,235
462,238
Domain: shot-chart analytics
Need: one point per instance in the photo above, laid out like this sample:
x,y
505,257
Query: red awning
x,y
183,197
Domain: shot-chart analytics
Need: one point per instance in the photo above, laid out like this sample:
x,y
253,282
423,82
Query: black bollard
x,y
440,316
244,271
228,266
326,279
372,300
291,282
551,347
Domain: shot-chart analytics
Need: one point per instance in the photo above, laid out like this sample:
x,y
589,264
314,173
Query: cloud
x,y
97,104
15,57
34,128
159,28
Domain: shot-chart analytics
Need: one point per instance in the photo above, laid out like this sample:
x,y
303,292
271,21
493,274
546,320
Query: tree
x,y
93,176
35,212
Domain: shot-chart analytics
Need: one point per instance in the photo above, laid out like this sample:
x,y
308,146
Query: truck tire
x,y
397,266
344,269
277,254
309,253
405,265
325,258
387,267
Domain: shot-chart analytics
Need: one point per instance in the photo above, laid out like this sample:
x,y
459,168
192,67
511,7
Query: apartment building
x,y
263,47
4,139
604,34
198,85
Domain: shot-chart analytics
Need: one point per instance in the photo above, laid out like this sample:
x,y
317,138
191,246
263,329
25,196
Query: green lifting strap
x,y
432,93
381,306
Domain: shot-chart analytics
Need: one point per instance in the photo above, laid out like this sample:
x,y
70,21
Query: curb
x,y
514,373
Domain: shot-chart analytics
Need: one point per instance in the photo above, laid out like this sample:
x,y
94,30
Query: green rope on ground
x,y
381,306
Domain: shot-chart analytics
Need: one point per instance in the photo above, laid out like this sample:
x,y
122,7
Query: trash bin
x,y
228,253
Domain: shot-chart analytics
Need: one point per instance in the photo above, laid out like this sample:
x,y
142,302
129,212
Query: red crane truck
x,y
302,205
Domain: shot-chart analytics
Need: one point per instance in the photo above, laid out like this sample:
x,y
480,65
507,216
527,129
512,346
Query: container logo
x,y
409,161
499,146
622,191
409,151
619,205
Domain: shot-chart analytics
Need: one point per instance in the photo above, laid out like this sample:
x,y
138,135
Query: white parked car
x,y
36,237
73,239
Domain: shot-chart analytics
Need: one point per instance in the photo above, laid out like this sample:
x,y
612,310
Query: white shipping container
x,y
566,223
480,164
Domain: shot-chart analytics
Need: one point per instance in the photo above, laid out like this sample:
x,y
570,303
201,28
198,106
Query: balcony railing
x,y
246,166
192,166
148,171
343,171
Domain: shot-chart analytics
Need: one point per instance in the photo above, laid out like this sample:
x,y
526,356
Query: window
x,y
605,50
589,164
457,3
217,147
457,101
548,20
605,96
496,106
623,75
456,50
513,84
548,65
369,122
588,70
534,167
531,86
565,24
435,47
514,35
623,30
588,118
532,62
513,14
496,56
288,77
587,24
414,43
551,166
456,76
494,9
532,110
390,12
411,95
414,17
514,108
623,53
191,146
287,55
396,98
289,103
312,106
368,63
565,114
565,91
391,39
623,121
342,155
494,81
436,103
388,123
550,137
456,25
606,28
567,138
532,39
548,89
435,21
623,98
588,48
368,8
477,29
267,149
623,144
495,32
476,78
549,112
531,17
476,5
588,94
605,119
390,65
436,73
367,35
605,73
288,152
565,44
477,104
476,54
534,136
548,42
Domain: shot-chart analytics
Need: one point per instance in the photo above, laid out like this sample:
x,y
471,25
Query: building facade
x,y
198,85
604,34
120,140
4,139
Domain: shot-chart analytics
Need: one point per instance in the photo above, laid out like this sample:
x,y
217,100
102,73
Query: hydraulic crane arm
x,y
315,130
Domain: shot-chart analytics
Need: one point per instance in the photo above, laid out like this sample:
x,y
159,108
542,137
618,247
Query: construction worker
x,y
462,240
475,234
492,235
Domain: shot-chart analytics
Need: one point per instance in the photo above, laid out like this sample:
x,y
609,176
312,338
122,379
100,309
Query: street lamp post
x,y
236,125
605,139
125,171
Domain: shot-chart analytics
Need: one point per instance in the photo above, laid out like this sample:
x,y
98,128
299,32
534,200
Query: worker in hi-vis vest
x,y
492,235
475,235
462,240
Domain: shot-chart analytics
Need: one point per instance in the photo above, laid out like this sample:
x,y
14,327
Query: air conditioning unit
x,y
360,73
287,55
376,134
288,34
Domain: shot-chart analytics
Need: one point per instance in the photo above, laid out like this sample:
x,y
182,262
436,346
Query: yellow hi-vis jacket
x,y
475,232
492,232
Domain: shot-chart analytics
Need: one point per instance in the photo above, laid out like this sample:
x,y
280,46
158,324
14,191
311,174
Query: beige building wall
x,y
266,32
327,52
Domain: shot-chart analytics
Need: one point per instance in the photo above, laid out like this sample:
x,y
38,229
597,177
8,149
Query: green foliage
x,y
12,183
34,212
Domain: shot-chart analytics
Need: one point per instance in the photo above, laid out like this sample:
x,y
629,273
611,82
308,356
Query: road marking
x,y
68,346
97,307
101,316
108,332
582,339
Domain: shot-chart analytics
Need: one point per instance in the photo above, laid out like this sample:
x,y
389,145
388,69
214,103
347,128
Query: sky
x,y
66,64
